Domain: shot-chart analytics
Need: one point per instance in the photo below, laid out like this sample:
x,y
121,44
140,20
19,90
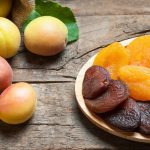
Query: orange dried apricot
x,y
138,80
140,51
112,58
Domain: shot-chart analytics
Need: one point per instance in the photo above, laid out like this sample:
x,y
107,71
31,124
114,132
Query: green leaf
x,y
49,8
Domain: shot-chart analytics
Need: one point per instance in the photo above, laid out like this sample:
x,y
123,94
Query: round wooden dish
x,y
134,136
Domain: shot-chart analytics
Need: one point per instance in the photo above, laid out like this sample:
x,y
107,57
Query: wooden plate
x,y
134,136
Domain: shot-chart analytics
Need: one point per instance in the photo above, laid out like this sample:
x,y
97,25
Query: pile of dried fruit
x,y
117,85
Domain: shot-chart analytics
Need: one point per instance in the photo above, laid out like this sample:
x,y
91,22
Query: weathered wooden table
x,y
58,123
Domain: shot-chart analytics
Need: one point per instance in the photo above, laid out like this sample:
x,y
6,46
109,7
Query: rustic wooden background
x,y
58,123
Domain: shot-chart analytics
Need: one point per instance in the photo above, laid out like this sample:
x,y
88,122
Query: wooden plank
x,y
41,76
108,7
59,124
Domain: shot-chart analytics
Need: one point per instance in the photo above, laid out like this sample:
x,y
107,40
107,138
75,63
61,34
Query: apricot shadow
x,y
10,131
38,61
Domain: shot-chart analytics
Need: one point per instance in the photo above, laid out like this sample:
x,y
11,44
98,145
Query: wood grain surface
x,y
58,123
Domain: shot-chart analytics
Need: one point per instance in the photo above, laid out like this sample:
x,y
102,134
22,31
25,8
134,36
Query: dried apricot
x,y
112,58
126,116
138,80
96,81
145,117
140,51
116,93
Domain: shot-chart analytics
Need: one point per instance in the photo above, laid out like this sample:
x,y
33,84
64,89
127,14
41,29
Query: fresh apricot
x,y
138,80
112,58
46,36
9,38
5,7
140,51
6,74
17,103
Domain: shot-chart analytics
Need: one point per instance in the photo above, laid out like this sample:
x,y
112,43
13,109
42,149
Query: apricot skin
x,y
46,36
6,74
9,38
112,58
145,117
5,7
116,93
17,103
96,81
138,80
139,51
126,116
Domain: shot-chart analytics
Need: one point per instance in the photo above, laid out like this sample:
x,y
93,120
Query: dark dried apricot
x,y
116,93
145,117
95,82
126,116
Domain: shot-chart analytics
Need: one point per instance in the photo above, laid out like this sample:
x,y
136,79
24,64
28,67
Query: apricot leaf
x,y
49,8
